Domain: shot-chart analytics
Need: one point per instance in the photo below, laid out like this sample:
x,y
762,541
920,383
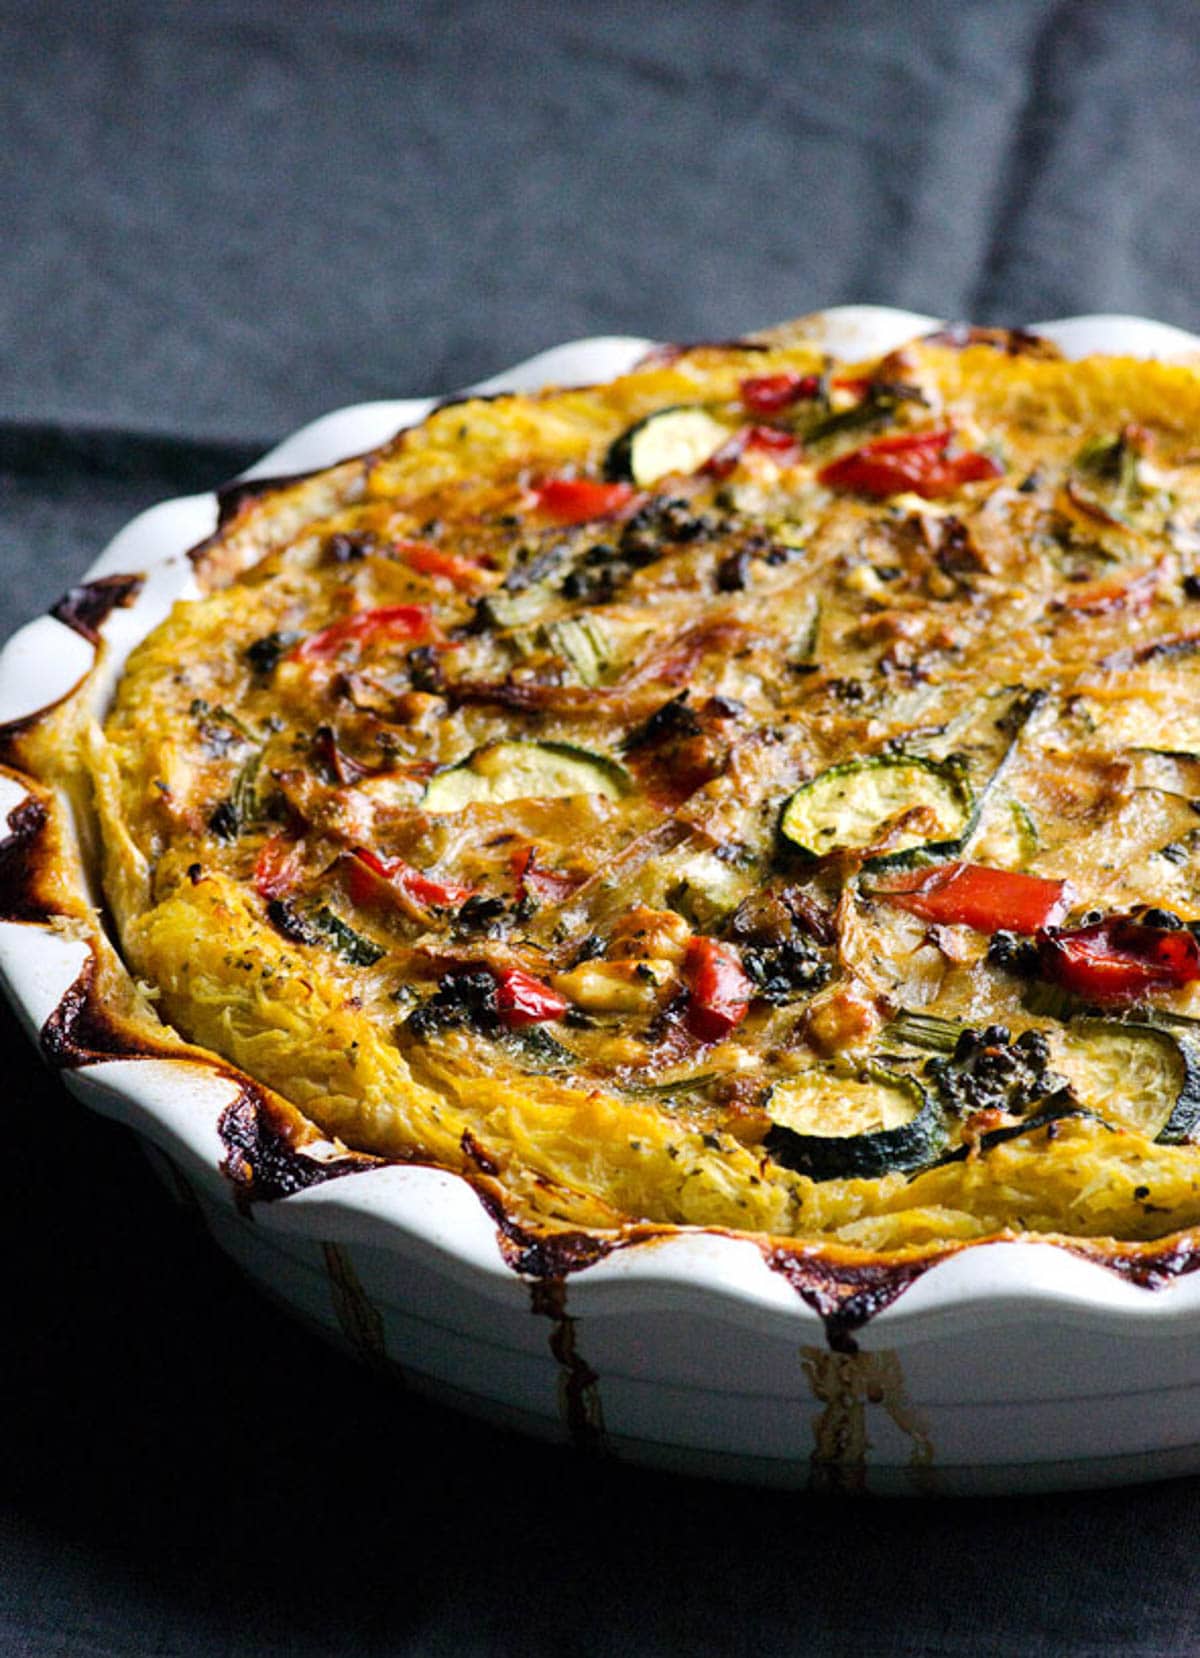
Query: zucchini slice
x,y
708,890
1133,1075
502,771
829,1127
849,806
679,439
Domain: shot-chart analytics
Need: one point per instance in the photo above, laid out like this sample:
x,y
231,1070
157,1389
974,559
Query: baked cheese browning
x,y
759,792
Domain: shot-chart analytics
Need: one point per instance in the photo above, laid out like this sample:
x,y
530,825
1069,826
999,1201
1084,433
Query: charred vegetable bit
x,y
781,972
780,943
322,927
989,1072
335,764
538,885
464,998
265,654
482,915
486,1001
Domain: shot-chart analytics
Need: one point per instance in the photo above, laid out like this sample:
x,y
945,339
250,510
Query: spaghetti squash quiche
x,y
757,793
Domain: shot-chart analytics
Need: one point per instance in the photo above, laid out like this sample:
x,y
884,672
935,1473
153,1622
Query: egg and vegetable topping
x,y
759,792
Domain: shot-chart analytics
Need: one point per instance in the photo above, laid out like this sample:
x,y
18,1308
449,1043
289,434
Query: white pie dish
x,y
1008,1366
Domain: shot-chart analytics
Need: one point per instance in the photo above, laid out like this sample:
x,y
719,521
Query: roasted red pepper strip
x,y
576,500
391,622
990,900
523,1000
278,867
766,394
721,992
1120,958
771,439
533,881
373,880
429,560
911,461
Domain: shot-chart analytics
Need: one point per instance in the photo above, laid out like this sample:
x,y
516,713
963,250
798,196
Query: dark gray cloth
x,y
222,219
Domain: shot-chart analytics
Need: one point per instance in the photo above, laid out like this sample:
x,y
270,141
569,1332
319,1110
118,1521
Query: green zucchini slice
x,y
1133,1075
499,772
679,439
830,1127
848,807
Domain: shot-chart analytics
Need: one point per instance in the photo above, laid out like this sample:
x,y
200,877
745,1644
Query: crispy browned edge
x,y
265,1136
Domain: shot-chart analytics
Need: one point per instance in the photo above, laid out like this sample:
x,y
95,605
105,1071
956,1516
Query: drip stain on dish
x,y
359,1319
578,1384
846,1384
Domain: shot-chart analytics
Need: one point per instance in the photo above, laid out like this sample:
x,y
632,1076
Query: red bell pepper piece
x,y
771,439
373,880
766,394
721,992
548,884
390,622
916,461
990,900
523,1000
576,500
429,560
1119,957
278,866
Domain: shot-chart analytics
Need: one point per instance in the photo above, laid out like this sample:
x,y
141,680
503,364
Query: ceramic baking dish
x,y
1008,1366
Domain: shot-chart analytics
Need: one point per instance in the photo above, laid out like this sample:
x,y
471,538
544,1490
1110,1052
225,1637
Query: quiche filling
x,y
758,793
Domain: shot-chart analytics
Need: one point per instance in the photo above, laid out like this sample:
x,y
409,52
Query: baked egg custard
x,y
758,793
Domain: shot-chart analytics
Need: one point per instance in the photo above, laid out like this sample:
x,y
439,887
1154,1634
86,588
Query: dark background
x,y
220,220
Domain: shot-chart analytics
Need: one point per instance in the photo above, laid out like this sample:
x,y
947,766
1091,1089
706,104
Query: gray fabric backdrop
x,y
221,219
